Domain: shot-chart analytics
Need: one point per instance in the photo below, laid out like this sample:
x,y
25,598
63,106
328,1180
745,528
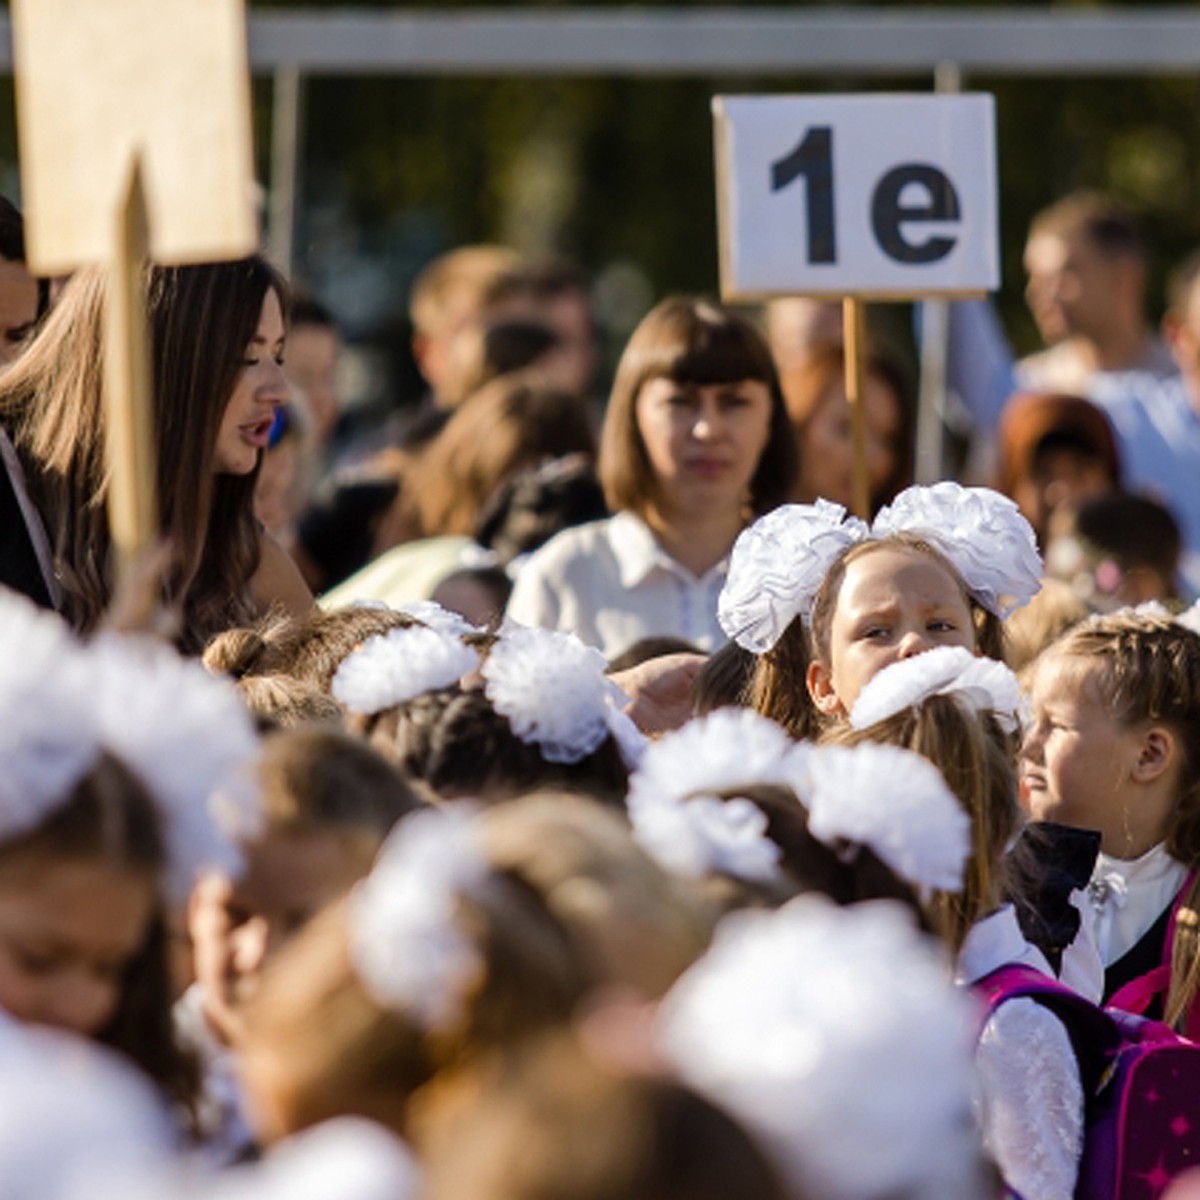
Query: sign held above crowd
x,y
856,197
133,121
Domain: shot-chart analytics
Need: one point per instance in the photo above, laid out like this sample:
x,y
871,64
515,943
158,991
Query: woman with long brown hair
x,y
216,334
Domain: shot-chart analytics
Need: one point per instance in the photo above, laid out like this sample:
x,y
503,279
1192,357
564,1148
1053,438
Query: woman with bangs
x,y
696,443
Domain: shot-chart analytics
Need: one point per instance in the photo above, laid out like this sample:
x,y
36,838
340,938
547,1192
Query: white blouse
x,y
1127,896
1032,1109
612,584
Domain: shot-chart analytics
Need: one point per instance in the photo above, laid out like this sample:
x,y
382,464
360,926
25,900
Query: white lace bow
x,y
406,943
674,799
779,563
553,691
896,803
836,1036
395,667
983,683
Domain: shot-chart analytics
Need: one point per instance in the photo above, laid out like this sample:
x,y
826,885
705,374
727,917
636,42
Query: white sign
x,y
880,195
98,81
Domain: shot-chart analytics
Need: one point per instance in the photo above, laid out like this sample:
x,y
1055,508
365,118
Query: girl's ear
x,y
1155,755
819,679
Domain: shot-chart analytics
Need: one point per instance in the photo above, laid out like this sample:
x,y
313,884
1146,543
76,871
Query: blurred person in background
x,y
815,394
1086,262
696,443
1054,451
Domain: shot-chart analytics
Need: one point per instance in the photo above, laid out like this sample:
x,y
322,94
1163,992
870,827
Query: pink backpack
x,y
1141,1085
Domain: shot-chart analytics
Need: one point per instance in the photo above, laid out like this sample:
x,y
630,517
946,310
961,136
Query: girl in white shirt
x,y
696,442
1116,724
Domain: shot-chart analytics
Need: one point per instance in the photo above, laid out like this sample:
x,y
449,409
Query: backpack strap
x,y
1095,1036
1137,995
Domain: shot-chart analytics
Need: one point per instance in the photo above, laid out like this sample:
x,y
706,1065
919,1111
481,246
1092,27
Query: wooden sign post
x,y
859,197
133,118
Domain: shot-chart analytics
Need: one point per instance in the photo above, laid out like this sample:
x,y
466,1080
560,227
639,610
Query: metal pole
x,y
287,115
934,349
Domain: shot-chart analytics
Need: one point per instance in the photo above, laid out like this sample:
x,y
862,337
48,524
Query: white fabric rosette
x,y
777,566
405,942
836,1036
705,835
674,802
189,738
983,683
896,803
49,739
435,616
552,690
395,667
983,534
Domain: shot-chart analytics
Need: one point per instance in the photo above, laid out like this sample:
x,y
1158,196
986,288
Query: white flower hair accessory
x,y
896,803
776,568
189,738
985,684
405,943
676,812
397,666
983,534
431,613
707,835
552,690
836,1036
49,739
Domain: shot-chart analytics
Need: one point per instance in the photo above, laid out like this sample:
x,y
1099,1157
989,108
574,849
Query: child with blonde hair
x,y
1114,746
825,601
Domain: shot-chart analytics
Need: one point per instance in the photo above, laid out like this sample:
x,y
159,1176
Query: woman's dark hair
x,y
110,817
806,389
201,319
724,680
690,341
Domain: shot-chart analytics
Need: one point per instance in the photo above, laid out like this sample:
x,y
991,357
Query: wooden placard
x,y
869,196
100,81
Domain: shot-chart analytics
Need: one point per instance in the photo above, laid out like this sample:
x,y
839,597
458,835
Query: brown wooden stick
x,y
854,319
128,403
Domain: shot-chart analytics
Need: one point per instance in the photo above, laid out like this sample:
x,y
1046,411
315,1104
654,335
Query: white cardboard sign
x,y
876,195
98,80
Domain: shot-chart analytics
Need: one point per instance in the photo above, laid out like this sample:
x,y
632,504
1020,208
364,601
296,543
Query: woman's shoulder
x,y
277,583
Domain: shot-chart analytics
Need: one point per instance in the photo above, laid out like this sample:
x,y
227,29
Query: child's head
x,y
825,601
1115,740
723,679
329,801
310,650
976,758
638,928
112,754
1116,551
78,898
691,342
537,712
564,1124
884,601
436,959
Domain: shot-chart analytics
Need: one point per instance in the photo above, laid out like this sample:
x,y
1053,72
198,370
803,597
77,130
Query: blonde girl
x,y
1115,746
826,602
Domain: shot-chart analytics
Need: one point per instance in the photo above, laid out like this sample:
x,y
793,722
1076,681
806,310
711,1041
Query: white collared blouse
x,y
612,584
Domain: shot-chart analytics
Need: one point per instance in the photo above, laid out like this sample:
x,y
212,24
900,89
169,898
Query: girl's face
x,y
1080,766
827,445
703,440
894,602
261,387
68,930
237,926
